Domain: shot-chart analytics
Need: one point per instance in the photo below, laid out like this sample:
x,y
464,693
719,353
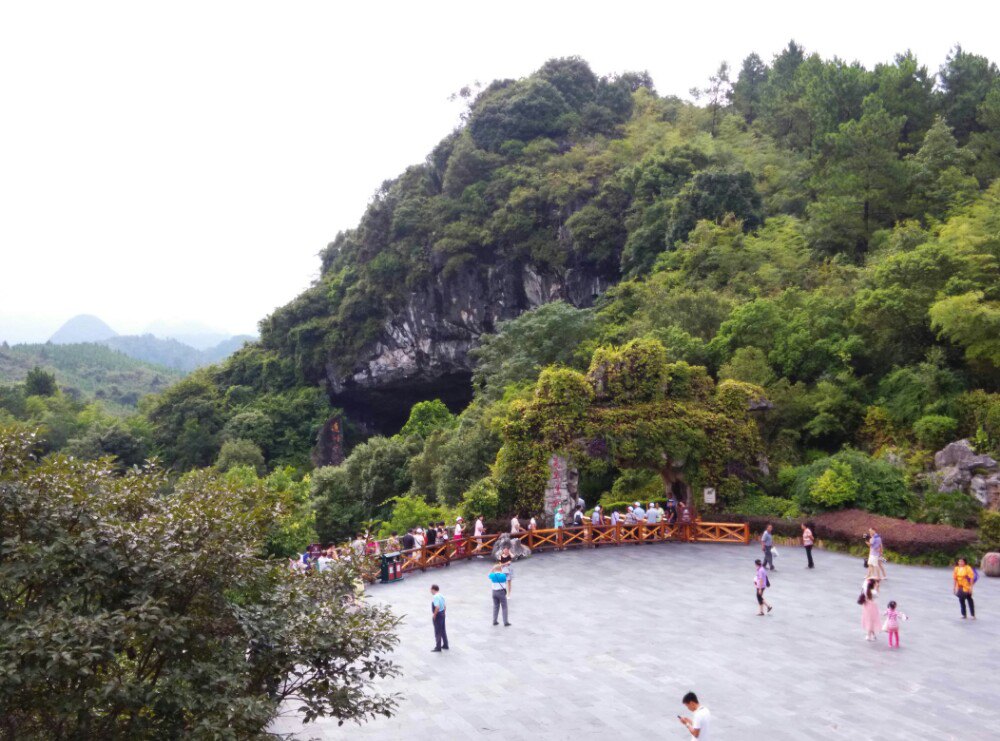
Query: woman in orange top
x,y
964,577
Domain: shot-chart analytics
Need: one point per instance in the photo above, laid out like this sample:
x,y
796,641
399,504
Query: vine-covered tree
x,y
635,410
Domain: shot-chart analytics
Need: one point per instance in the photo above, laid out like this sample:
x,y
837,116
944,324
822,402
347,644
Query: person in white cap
x,y
638,511
652,514
458,540
630,515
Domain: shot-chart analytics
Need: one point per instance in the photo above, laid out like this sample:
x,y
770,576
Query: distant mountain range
x,y
182,347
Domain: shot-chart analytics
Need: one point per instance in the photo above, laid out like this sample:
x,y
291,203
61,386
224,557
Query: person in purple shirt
x,y
875,568
761,582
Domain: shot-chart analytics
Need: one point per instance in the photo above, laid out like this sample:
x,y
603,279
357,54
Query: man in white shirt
x,y
515,525
700,720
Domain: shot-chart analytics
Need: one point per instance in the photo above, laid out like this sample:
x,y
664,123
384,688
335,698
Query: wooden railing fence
x,y
585,536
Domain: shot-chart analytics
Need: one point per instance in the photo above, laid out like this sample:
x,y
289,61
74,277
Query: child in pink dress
x,y
892,618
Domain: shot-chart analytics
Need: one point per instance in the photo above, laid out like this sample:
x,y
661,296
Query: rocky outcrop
x,y
423,350
959,468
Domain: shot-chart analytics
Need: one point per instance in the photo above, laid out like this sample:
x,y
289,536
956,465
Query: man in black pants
x,y
807,541
437,615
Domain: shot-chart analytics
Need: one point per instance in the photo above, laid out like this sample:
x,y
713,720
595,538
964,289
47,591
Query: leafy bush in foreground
x,y
127,613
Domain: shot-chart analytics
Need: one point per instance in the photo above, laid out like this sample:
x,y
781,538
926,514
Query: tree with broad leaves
x,y
129,613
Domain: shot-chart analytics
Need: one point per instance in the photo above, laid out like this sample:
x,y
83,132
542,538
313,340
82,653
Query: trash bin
x,y
392,568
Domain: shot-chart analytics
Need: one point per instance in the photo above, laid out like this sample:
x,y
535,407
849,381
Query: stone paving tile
x,y
604,643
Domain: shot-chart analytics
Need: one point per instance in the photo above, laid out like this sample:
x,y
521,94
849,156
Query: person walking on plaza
x,y
964,577
498,581
869,610
891,624
876,570
761,582
437,615
767,545
807,542
700,719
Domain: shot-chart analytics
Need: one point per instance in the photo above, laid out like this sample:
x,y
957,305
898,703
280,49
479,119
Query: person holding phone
x,y
700,719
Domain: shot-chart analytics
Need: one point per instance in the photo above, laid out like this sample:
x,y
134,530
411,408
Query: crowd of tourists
x,y
319,558
873,620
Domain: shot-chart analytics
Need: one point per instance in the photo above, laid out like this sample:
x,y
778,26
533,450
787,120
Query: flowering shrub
x,y
901,536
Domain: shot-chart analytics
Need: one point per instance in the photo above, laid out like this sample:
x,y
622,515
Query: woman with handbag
x,y
869,609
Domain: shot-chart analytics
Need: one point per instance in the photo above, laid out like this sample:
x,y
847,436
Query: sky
x,y
186,161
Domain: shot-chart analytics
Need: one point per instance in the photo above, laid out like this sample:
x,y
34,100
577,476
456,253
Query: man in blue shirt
x,y
639,512
437,613
498,581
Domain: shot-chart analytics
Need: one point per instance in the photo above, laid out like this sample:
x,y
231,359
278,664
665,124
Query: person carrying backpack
x,y
964,577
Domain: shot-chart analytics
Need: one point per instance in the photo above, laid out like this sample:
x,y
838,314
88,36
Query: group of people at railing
x,y
464,543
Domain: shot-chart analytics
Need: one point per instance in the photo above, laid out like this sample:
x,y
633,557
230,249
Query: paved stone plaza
x,y
604,643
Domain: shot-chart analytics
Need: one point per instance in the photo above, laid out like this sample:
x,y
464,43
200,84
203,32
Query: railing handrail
x,y
546,539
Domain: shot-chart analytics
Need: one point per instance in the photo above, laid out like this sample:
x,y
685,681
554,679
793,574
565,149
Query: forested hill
x,y
88,370
827,231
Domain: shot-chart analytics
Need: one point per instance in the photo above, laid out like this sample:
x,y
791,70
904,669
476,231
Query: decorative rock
x,y
329,450
561,488
991,564
953,478
959,468
987,490
953,453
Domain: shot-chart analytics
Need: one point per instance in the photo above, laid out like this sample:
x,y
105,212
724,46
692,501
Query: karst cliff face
x,y
423,349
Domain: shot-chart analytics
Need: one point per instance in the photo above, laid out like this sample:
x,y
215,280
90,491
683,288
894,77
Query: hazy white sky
x,y
187,160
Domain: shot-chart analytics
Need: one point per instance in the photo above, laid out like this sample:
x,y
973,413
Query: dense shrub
x,y
413,511
934,431
989,530
900,536
780,526
949,508
874,484
240,452
633,484
763,505
481,499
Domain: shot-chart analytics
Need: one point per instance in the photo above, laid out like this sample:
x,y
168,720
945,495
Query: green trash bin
x,y
392,568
